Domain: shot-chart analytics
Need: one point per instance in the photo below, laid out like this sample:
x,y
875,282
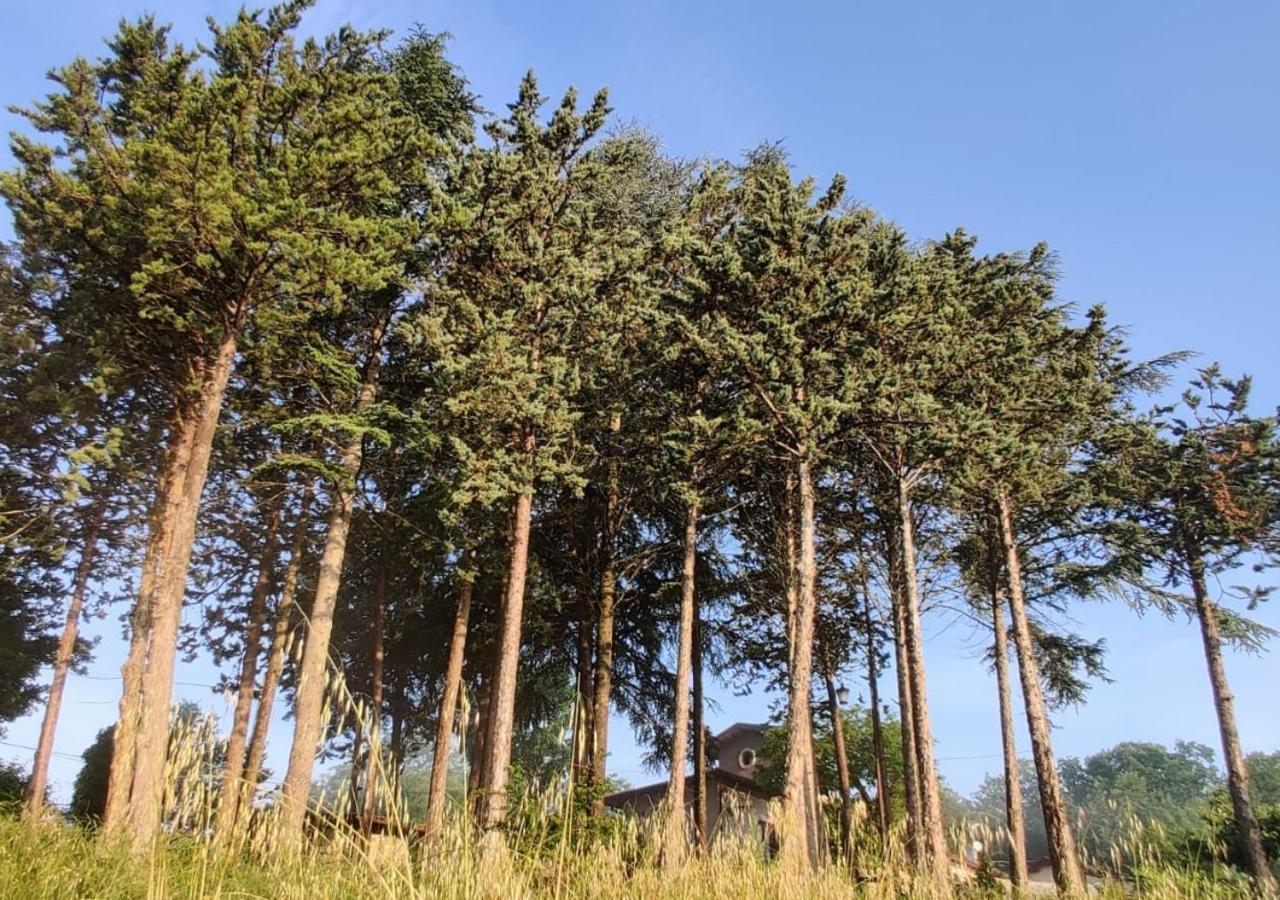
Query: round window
x,y
747,758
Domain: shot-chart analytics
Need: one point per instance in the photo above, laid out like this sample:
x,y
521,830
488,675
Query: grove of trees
x,y
496,420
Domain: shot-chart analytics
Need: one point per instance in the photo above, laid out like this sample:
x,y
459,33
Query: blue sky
x,y
1140,139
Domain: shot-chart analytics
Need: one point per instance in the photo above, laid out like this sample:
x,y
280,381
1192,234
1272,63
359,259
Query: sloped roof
x,y
739,783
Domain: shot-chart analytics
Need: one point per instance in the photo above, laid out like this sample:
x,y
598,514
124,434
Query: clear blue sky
x,y
1140,139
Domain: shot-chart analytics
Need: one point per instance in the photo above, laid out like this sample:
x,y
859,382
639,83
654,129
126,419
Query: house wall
x,y
731,750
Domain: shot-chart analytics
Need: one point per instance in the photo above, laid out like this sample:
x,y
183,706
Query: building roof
x,y
739,783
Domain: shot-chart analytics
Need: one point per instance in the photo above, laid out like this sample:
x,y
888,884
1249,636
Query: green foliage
x,y
89,794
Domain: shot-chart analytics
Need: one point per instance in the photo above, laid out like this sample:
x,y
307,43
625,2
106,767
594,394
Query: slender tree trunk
x,y
484,703
1250,834
37,783
605,628
700,824
930,789
449,702
877,731
584,693
309,696
1062,845
842,763
1012,777
798,848
497,762
916,844
233,770
160,601
676,839
373,760
281,627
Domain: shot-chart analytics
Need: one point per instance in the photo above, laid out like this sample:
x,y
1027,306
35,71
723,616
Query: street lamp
x,y
842,695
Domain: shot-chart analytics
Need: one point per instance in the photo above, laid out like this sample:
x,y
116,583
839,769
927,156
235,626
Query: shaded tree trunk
x,y
141,740
584,693
233,771
906,706
1012,777
449,702
842,763
930,789
1249,833
697,716
1062,845
475,776
497,749
373,758
799,848
312,673
605,627
877,731
39,780
676,837
281,628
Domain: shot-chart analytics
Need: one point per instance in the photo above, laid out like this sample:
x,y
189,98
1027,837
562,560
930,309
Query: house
x,y
737,806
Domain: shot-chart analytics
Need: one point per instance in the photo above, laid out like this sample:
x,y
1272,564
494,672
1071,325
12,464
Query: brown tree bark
x,y
916,844
877,731
935,838
676,841
309,696
476,776
1012,777
373,764
842,762
583,701
1062,844
449,701
34,800
1250,834
233,771
799,849
697,715
605,627
281,628
142,733
497,750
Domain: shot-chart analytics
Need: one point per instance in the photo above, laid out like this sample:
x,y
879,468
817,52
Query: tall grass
x,y
546,853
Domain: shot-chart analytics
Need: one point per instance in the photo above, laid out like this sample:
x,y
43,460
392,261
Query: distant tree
x,y
1142,780
89,794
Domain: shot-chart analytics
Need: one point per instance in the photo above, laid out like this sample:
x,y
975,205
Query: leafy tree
x,y
1204,493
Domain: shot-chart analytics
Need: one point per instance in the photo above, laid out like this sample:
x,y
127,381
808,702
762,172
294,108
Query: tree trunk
x,y
798,848
701,826
1012,776
475,775
877,732
373,762
449,702
583,727
497,758
1250,835
906,707
281,628
37,783
309,696
142,734
676,839
842,764
1062,845
930,790
605,628
233,771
